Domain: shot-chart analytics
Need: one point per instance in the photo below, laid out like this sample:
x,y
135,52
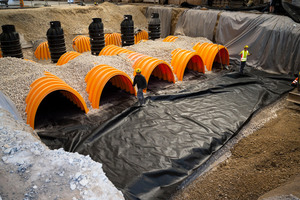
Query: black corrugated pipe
x,y
10,42
154,26
96,36
56,41
127,31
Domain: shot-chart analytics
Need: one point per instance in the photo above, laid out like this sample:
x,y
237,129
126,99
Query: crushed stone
x,y
35,174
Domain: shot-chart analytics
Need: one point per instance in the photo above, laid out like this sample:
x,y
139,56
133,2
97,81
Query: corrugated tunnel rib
x,y
66,57
182,59
42,87
42,51
170,38
153,66
113,39
81,44
211,53
149,65
112,50
99,76
141,35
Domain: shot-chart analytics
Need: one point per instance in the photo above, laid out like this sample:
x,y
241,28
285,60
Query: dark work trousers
x,y
243,64
140,96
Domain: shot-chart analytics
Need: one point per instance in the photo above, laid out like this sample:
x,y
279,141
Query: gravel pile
x,y
32,171
163,50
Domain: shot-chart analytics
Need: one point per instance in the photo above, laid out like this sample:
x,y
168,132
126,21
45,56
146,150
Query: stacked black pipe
x,y
56,41
154,26
127,31
10,42
96,36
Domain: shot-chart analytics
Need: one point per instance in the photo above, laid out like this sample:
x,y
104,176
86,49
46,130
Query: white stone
x,y
72,186
7,151
83,182
77,175
4,159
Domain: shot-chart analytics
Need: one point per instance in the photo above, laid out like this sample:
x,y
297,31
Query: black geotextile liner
x,y
148,151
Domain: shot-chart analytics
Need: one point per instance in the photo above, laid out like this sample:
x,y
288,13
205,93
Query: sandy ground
x,y
264,160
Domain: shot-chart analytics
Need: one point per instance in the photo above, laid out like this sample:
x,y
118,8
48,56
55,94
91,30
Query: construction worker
x,y
141,83
244,55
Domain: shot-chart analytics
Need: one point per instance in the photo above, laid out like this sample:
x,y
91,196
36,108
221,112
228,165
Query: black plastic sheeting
x,y
148,151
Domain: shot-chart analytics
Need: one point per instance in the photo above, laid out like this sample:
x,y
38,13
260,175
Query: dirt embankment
x,y
259,163
34,23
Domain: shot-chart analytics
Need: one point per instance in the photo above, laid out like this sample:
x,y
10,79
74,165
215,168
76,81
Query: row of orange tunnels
x,y
205,55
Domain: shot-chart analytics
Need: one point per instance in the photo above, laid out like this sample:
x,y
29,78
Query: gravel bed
x,y
162,50
18,74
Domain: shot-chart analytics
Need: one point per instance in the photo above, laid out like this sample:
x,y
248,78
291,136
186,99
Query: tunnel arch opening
x,y
153,67
183,59
113,95
99,76
159,77
55,109
213,55
43,86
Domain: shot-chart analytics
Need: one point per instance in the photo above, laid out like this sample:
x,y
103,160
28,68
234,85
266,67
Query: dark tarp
x,y
273,40
148,151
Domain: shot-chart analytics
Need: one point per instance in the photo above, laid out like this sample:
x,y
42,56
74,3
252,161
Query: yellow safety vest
x,y
244,55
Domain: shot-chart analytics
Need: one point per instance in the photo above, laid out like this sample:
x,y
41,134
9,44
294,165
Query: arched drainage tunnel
x,y
99,76
212,53
102,77
44,86
56,109
148,65
49,93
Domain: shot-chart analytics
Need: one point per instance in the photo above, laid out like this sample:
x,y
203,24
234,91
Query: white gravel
x,y
29,170
162,50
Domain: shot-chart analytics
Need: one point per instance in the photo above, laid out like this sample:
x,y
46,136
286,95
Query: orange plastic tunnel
x,y
182,59
81,44
135,57
141,35
99,76
156,67
170,38
113,39
66,57
0,54
211,53
42,51
43,86
112,50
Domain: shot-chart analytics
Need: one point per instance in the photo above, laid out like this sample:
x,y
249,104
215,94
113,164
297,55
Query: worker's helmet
x,y
246,46
138,70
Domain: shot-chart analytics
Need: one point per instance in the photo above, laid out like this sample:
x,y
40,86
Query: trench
x,y
147,152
